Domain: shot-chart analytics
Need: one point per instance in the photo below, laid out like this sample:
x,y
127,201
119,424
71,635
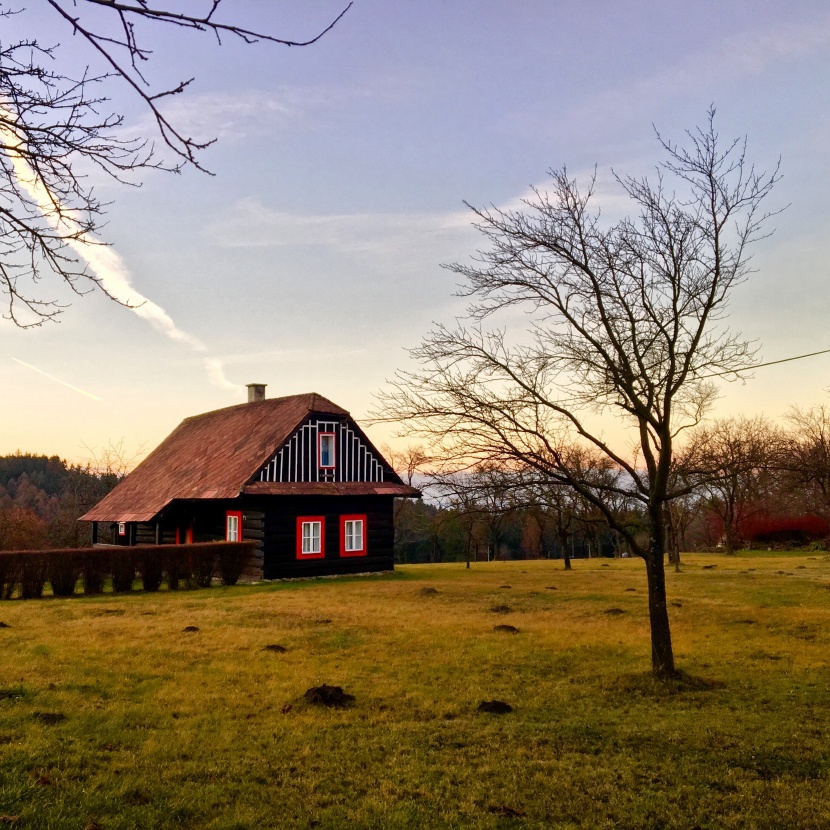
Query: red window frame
x,y
320,437
318,554
238,514
122,528
358,517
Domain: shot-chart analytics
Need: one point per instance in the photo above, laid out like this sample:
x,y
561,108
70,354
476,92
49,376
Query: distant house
x,y
296,475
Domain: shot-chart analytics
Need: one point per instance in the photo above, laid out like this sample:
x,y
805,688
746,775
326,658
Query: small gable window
x,y
233,526
353,535
325,454
310,537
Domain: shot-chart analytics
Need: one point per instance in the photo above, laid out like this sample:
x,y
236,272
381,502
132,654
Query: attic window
x,y
325,454
310,537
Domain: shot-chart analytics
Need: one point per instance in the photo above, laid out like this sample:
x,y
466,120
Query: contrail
x,y
106,264
57,380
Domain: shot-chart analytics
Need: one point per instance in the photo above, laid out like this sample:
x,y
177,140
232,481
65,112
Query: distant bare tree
x,y
806,457
567,511
734,461
56,126
485,496
623,318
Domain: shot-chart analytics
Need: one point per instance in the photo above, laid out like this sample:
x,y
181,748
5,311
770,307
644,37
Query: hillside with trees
x,y
41,498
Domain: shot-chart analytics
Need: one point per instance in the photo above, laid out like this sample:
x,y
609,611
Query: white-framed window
x,y
325,455
233,526
353,535
310,537
122,528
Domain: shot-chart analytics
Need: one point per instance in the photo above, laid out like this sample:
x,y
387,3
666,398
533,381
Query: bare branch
x,y
54,126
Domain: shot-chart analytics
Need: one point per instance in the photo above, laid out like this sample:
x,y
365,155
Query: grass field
x,y
111,715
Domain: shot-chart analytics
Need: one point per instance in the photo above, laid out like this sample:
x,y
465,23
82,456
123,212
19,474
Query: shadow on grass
x,y
650,685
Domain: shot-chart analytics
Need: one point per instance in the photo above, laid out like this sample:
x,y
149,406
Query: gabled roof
x,y
211,456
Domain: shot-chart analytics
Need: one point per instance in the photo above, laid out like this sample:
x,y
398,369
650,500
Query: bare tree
x,y
485,496
734,462
568,512
806,457
56,126
623,318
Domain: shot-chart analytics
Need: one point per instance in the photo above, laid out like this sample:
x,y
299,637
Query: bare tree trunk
x,y
673,540
662,654
729,532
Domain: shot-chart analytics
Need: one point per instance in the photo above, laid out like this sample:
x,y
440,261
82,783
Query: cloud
x,y
253,224
234,116
746,54
57,380
215,368
107,266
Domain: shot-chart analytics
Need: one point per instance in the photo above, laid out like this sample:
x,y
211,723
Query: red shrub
x,y
794,529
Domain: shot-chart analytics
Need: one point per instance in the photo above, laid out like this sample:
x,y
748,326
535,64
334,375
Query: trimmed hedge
x,y
24,574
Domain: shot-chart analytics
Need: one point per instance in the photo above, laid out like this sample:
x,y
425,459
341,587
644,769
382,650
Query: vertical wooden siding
x,y
297,460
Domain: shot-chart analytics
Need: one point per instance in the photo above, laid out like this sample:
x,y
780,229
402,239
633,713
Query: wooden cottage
x,y
296,475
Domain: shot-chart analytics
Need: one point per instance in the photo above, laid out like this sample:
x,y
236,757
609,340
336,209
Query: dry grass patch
x,y
210,729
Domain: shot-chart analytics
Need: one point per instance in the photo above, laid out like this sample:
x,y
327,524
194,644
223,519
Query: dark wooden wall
x,y
280,535
271,522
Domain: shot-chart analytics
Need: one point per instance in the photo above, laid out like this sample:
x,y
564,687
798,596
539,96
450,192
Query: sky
x,y
311,259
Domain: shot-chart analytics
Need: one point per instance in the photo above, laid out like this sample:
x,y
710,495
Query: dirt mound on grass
x,y
428,592
331,696
614,611
190,629
506,811
494,707
4,625
507,629
274,647
49,718
501,609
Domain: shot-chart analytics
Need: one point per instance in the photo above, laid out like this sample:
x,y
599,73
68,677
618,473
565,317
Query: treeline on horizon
x,y
744,483
42,497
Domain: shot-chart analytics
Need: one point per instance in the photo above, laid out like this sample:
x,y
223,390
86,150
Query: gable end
x,y
306,455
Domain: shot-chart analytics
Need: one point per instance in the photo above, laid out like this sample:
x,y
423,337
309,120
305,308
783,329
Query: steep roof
x,y
211,456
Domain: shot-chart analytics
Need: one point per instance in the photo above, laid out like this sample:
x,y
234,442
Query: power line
x,y
770,363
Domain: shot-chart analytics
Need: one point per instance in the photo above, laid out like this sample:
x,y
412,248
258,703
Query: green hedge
x,y
24,574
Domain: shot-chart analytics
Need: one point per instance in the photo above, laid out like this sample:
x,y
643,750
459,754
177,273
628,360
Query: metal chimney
x,y
256,392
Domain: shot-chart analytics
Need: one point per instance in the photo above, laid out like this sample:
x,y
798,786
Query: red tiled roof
x,y
209,456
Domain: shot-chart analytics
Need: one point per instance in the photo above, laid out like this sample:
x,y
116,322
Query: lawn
x,y
112,715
